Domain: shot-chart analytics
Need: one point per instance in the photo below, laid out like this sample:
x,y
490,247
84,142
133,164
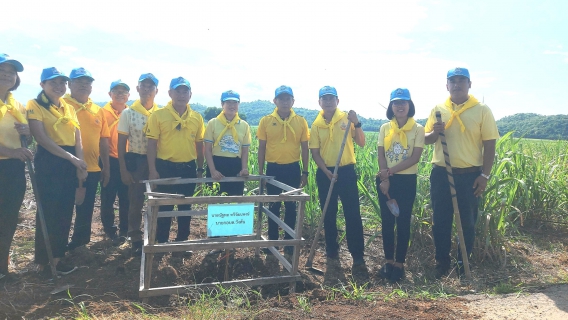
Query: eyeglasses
x,y
120,92
328,97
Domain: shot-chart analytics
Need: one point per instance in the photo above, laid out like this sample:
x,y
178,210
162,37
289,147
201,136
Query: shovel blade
x,y
393,207
80,195
60,289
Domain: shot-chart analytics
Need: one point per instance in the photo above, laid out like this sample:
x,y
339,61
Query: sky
x,y
516,51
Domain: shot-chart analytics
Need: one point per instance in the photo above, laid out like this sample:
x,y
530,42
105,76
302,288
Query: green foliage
x,y
211,112
536,126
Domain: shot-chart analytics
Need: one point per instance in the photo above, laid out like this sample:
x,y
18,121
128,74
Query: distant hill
x,y
535,126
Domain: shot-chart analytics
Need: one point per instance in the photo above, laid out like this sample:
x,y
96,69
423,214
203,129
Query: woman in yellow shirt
x,y
13,124
227,141
400,146
58,163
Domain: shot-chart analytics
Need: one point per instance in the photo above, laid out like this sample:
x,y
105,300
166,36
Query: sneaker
x,y
386,271
64,269
136,248
397,274
442,269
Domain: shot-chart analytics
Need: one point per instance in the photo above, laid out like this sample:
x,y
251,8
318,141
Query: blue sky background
x,y
517,51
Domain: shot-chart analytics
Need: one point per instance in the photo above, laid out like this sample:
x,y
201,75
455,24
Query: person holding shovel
x,y
400,145
227,142
471,133
119,93
175,149
13,125
134,163
59,166
281,135
94,134
326,136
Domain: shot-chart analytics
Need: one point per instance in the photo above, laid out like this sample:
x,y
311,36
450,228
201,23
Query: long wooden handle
x,y
320,224
457,216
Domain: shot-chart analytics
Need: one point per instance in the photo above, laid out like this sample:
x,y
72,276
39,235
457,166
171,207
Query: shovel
x,y
80,194
57,288
310,261
393,206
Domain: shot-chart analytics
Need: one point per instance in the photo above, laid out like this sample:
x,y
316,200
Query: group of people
x,y
80,144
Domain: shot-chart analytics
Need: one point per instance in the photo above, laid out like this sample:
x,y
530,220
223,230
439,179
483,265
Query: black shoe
x,y
123,234
358,262
332,254
8,278
136,248
386,271
45,273
64,269
397,274
74,245
118,240
460,269
442,269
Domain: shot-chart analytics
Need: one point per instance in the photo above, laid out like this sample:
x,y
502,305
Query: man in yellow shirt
x,y
119,93
471,132
175,142
326,136
280,136
134,164
94,134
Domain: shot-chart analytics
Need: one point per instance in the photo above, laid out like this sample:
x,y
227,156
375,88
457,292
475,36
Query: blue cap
x,y
148,76
327,90
230,95
458,72
52,73
400,94
179,82
79,73
4,58
119,83
283,89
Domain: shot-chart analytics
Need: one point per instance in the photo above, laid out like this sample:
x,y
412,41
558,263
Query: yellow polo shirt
x,y
465,148
9,137
112,118
93,128
173,144
397,153
329,148
272,131
227,147
65,133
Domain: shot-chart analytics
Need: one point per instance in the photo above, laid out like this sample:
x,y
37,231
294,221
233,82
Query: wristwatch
x,y
486,176
358,125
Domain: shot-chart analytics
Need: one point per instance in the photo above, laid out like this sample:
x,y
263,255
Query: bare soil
x,y
106,284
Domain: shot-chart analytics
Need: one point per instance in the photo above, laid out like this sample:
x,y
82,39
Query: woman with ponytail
x,y
13,125
59,165
400,146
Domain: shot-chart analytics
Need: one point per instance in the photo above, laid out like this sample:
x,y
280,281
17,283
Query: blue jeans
x,y
444,212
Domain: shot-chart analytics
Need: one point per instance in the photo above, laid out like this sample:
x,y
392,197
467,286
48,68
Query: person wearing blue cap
x,y
280,137
175,149
400,145
471,134
227,142
13,124
94,134
119,94
59,165
326,136
134,163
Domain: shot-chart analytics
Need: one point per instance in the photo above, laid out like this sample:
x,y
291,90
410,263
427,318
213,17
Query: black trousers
x,y
56,182
403,190
444,212
168,169
229,167
12,190
84,212
291,175
108,195
346,189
